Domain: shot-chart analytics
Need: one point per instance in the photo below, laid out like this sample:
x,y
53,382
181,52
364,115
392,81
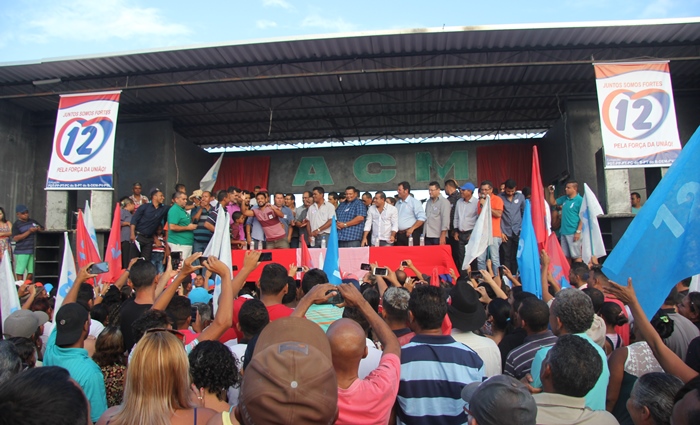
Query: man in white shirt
x,y
466,213
320,216
411,216
383,220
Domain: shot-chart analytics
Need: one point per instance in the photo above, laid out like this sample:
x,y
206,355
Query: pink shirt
x,y
369,400
232,208
271,224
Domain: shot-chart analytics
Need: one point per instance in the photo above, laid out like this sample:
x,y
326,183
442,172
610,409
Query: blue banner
x,y
331,265
528,255
662,244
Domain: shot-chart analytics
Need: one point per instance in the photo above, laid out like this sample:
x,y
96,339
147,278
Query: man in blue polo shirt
x,y
572,313
351,219
65,348
571,224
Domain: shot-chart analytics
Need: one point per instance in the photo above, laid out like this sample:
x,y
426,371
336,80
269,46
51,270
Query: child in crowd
x,y
160,250
613,316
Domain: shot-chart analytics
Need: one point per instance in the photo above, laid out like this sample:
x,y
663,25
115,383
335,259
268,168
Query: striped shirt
x,y
434,369
324,314
519,360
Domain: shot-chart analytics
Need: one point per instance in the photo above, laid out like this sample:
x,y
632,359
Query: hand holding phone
x,y
99,268
265,256
381,271
365,266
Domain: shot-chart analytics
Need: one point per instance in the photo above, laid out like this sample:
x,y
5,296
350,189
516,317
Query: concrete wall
x,y
17,162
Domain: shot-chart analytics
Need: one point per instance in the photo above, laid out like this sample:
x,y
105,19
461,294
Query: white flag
x,y
87,218
68,273
591,238
220,247
9,301
481,235
209,180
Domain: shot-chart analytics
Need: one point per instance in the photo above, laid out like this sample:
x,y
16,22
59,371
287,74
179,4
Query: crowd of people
x,y
289,347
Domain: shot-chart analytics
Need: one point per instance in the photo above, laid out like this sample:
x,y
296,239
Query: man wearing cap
x,y
23,233
569,372
145,222
137,197
411,216
465,215
290,378
511,222
499,400
434,367
65,347
467,315
382,222
24,323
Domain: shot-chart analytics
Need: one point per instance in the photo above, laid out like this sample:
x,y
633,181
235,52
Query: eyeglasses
x,y
179,335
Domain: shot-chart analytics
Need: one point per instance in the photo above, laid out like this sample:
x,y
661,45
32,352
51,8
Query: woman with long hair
x,y
498,316
109,356
5,233
157,390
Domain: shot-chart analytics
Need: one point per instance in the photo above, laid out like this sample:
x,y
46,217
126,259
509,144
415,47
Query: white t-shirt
x,y
371,362
484,347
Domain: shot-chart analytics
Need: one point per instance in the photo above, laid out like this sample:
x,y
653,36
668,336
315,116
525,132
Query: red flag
x,y
113,254
85,248
537,202
305,254
558,264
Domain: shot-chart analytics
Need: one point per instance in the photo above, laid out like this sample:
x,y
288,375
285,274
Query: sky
x,y
32,30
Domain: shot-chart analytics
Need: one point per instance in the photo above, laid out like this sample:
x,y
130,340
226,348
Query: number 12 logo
x,y
80,139
639,114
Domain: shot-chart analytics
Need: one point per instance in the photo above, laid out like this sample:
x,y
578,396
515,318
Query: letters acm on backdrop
x,y
377,170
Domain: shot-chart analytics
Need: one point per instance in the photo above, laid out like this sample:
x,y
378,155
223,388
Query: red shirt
x,y
278,311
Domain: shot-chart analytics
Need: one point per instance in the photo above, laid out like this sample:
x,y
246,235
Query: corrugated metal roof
x,y
388,84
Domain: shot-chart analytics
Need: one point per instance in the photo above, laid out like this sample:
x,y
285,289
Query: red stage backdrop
x,y
243,172
499,163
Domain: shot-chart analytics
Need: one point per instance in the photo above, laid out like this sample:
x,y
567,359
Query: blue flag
x,y
528,255
662,244
331,265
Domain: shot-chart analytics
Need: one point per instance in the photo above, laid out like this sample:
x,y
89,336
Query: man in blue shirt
x,y
511,223
145,222
411,216
351,218
65,348
23,233
572,313
571,224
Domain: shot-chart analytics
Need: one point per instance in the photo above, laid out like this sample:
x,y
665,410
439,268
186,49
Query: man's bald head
x,y
401,276
347,339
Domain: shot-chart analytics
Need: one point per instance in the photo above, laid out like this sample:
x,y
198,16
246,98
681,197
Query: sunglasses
x,y
179,335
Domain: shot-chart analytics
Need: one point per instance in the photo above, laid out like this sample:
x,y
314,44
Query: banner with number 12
x,y
83,145
637,114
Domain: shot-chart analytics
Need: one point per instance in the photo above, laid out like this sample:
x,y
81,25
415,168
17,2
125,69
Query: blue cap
x,y
21,208
468,186
199,295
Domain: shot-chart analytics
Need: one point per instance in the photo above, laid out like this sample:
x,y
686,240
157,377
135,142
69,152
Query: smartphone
x,y
404,264
365,266
266,256
500,271
176,258
234,267
194,314
475,275
335,299
99,268
381,271
203,259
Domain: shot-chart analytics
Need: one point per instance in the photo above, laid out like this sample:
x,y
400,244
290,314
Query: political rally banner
x,y
82,156
637,114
